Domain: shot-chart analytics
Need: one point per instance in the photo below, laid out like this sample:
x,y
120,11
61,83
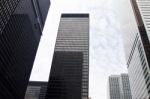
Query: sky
x,y
106,45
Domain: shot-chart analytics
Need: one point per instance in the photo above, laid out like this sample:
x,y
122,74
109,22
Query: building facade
x,y
136,43
20,31
113,87
144,10
125,89
70,66
36,90
119,87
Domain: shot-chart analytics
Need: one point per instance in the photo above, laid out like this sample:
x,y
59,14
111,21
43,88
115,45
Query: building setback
x,y
70,66
21,25
137,47
36,90
119,87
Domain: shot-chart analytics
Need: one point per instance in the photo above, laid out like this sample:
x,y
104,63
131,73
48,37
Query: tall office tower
x,y
21,24
70,66
125,89
36,90
113,87
137,46
119,87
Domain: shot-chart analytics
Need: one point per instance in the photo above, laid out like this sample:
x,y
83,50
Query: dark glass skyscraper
x,y
21,25
70,66
36,90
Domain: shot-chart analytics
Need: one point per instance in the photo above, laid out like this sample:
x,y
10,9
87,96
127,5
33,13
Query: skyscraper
x,y
119,87
137,47
20,31
70,66
36,90
113,87
125,89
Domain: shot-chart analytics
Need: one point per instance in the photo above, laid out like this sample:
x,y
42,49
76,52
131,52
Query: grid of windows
x,y
71,59
125,87
143,47
119,87
19,38
16,56
137,81
114,88
135,33
7,8
36,90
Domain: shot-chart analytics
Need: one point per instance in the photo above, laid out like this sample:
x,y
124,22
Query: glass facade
x,y
19,38
36,90
70,66
114,88
143,46
137,48
125,89
119,87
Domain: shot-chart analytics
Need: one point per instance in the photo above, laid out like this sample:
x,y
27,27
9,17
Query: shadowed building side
x,y
20,34
36,90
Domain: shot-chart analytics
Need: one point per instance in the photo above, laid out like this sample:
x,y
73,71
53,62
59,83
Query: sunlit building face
x,y
134,25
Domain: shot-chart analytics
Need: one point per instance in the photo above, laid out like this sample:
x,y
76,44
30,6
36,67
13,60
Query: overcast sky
x,y
106,47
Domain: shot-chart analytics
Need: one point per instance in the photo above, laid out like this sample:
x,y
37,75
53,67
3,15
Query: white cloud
x,y
106,50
